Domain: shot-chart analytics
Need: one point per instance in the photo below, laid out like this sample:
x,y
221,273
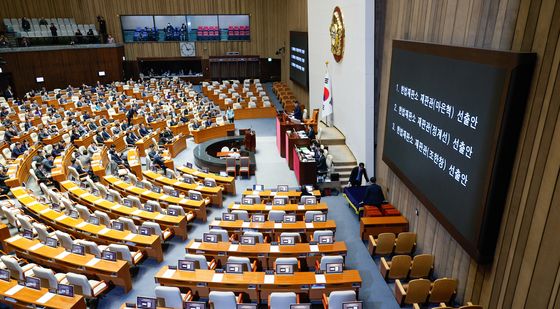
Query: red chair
x,y
372,211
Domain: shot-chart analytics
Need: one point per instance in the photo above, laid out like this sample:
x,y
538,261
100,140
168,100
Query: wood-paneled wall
x,y
296,20
525,271
61,68
268,20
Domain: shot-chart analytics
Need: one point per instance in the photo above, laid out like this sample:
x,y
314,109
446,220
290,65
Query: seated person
x,y
143,130
4,189
165,137
39,157
157,159
48,163
18,150
374,194
42,175
116,157
322,162
131,138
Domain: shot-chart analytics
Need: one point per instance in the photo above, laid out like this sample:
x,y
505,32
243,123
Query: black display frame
x,y
518,68
296,81
186,15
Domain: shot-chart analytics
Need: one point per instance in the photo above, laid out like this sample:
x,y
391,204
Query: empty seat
x,y
276,215
48,278
329,259
282,300
383,245
124,253
443,290
247,265
288,261
220,300
421,267
295,235
201,262
171,297
416,291
397,268
222,234
258,236
163,234
85,287
337,298
241,214
405,243
310,214
16,271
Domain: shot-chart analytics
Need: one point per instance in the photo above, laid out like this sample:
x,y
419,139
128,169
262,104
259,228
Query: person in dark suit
x,y
310,133
298,114
48,163
4,189
143,130
8,94
130,114
322,163
374,194
17,151
356,175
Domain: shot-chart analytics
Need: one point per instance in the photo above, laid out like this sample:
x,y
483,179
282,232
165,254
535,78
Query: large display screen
x,y
299,63
453,118
165,28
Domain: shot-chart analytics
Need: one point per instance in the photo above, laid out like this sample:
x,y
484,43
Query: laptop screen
x,y
51,242
146,302
78,249
325,239
109,255
187,265
248,201
258,218
194,305
334,268
284,269
229,216
65,290
287,240
246,306
27,233
93,220
319,218
247,240
146,231
289,218
234,268
4,274
352,305
32,282
172,212
300,306
282,188
119,226
209,237
258,187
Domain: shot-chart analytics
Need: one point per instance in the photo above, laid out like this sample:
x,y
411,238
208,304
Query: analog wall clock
x,y
188,49
337,33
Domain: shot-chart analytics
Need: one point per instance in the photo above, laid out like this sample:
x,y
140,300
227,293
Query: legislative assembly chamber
x,y
281,154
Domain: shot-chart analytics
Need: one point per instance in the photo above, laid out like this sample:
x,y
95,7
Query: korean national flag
x,y
327,97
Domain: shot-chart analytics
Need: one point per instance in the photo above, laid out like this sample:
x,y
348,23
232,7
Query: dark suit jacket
x,y
374,195
354,175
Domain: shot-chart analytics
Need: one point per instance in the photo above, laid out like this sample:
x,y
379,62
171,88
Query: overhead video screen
x,y
453,118
299,58
191,28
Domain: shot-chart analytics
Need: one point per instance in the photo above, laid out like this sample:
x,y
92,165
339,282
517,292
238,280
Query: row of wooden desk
x,y
151,245
266,253
258,285
178,224
117,272
272,228
294,196
299,210
227,182
206,134
22,297
213,193
125,188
